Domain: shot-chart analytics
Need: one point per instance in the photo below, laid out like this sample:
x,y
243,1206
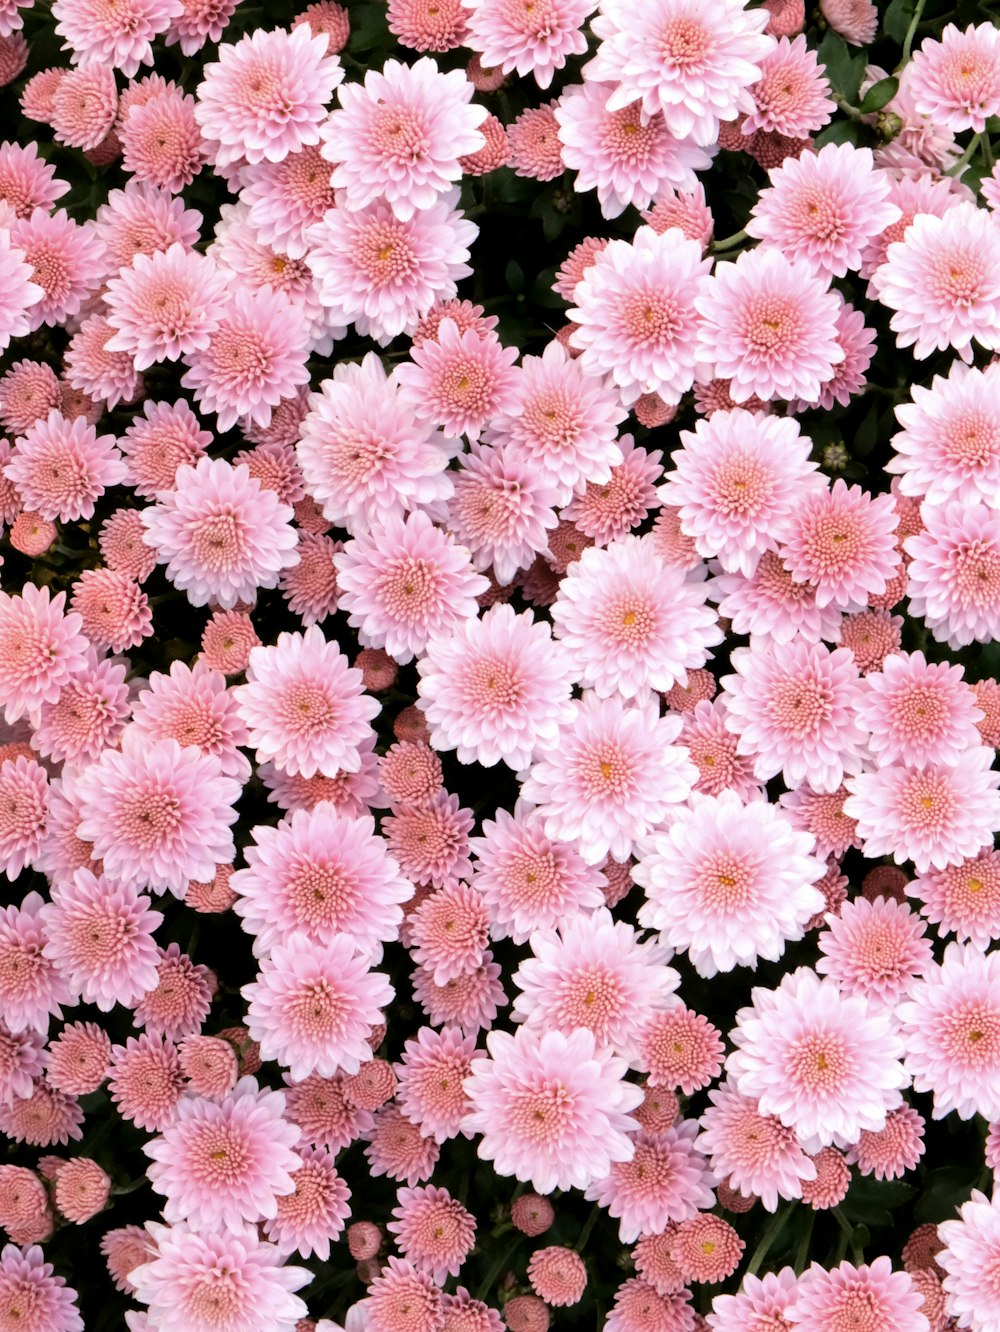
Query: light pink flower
x,y
287,198
714,751
771,607
431,843
503,509
32,989
146,1081
23,811
161,141
895,1150
192,706
954,572
791,97
142,219
762,1304
971,1248
67,261
19,294
62,467
200,21
166,305
755,1152
532,39
29,1284
826,1301
401,1296
94,370
875,949
432,1071
41,649
459,380
956,79
842,541
666,1180
963,899
165,437
116,34
949,447
918,712
433,1231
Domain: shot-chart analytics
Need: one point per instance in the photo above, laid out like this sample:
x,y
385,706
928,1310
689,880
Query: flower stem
x,y
911,31
767,1239
730,242
497,1268
802,1252
966,157
588,1226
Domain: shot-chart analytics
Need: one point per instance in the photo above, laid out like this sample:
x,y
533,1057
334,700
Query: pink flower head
x,y
956,79
27,181
431,843
770,327
459,380
142,219
793,708
287,198
115,610
495,688
963,899
954,572
383,274
824,208
23,810
304,706
431,1092
402,1296
842,541
30,1289
737,481
96,371
22,1061
636,317
829,1300
532,39
428,25
895,1150
875,949
968,1258
399,134
180,1000
758,1155
193,707
558,1275
942,282
433,1231
320,873
447,932
503,509
761,1305
553,1110
41,649
200,21
79,1058
610,776
266,95
666,1180
67,261
771,607
166,305
365,455
917,712
32,989
61,467
20,296
220,534
161,141
729,885
694,68
115,34
196,1282
791,97
157,814
165,437
315,1213
313,1005
949,447
146,1081
824,1062
934,815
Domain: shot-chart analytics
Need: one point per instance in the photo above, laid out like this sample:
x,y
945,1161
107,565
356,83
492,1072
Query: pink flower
x,y
447,933
791,96
161,141
635,311
219,1164
397,1149
755,1152
220,534
287,198
495,689
842,541
61,467
954,572
32,989
638,1307
200,21
949,447
424,26
100,373
23,810
22,1061
431,843
402,1297
399,134
760,1301
433,1231
266,95
771,607
737,481
895,1150
157,814
166,305
304,706
29,1284
179,1002
728,885
313,1005
714,751
321,874
971,1249
769,326
315,1212
935,815
459,380
942,282
666,1180
119,35
552,1109
793,708
628,156
535,39
193,707
693,67
826,1301
67,261
383,274
824,208
917,712
193,1281
956,80
431,1075
963,899
503,509
18,293
165,437
875,949
629,621
824,1062
115,610
41,649
27,181
142,219
610,776
146,1081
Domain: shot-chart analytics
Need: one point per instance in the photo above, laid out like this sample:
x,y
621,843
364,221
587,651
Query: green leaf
x,y
897,19
864,440
944,1192
841,131
514,276
879,94
844,69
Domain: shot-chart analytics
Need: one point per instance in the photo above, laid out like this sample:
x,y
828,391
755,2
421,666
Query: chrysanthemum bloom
x,y
665,1180
23,810
639,1308
352,794
267,95
28,392
78,1058
61,468
737,481
94,370
890,1153
24,1202
755,1152
114,609
318,1107
706,1248
402,1296
793,708
771,607
314,1214
969,1258
679,1048
448,932
200,21
193,707
383,274
875,949
956,79
197,1282
769,326
46,1118
459,380
320,873
594,973
221,1163
433,1231
963,899
918,712
635,311
552,1109
728,885
286,198
558,1275
949,447
398,135
27,182
855,20
165,437
942,282
438,25
828,1300
22,1061
857,341
791,96
146,1081
209,1064
227,641
824,1062
842,541
20,295
954,572
166,305
669,55
35,1297
314,1005
431,1075
609,777
628,156
824,208
41,649
31,988
604,512
124,1249
118,35
628,621
142,219
82,1189
180,1000
528,39
66,263
396,1148
161,141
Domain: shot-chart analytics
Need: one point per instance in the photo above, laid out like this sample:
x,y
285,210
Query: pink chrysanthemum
x,y
918,712
667,1179
352,794
200,21
824,208
459,380
969,1256
35,1297
27,181
399,134
41,649
320,873
857,341
158,814
964,898
196,1282
447,932
161,141
179,1002
468,1002
872,635
669,54
267,95
93,369
46,1118
227,641
287,198
193,707
431,843
23,811
67,263
209,1064
771,607
793,708
165,437
79,1058
595,974
503,509
706,1248
146,1081
428,25
529,39
61,467
954,572
124,1249
142,219
20,296
755,1152
410,773
942,282
949,447
314,1005
604,512
875,949
934,815
402,1296
762,1304
738,481
119,35
956,79
114,609
842,541
827,1301
31,988
22,1061
635,311
728,886
824,1062
558,1275
552,1109
890,1153
639,1308
433,1231
311,587
315,1213
82,1189
791,96
714,750
166,305
304,707
28,392
318,1107
431,1076
383,274
768,326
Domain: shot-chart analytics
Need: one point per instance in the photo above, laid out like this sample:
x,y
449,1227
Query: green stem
x,y
966,157
847,108
767,1239
588,1226
911,31
730,242
842,1221
497,1268
987,152
802,1252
